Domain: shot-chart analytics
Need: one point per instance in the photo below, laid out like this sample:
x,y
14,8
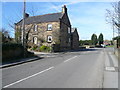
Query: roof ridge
x,y
43,18
45,14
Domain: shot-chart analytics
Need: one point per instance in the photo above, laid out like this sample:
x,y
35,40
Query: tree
x,y
94,39
5,36
113,16
100,39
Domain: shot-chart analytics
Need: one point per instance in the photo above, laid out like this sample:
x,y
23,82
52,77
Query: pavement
x,y
111,70
39,55
93,68
21,61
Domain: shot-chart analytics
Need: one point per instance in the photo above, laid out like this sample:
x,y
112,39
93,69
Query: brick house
x,y
48,29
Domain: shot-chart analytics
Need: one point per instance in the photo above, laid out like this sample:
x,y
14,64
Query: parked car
x,y
103,45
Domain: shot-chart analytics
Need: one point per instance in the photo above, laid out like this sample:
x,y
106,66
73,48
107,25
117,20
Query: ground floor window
x,y
35,40
49,38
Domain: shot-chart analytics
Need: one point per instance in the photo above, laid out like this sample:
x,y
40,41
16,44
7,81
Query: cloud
x,y
58,7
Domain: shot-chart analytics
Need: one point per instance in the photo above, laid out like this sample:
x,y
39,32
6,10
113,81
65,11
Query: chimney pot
x,y
26,15
64,9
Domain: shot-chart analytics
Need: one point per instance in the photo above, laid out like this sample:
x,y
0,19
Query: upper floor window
x,y
49,26
49,38
36,27
68,29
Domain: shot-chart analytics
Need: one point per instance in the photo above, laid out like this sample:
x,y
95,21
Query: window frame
x,y
48,38
36,27
49,27
69,30
35,41
69,40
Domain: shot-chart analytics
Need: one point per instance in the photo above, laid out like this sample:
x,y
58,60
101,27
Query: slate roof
x,y
42,18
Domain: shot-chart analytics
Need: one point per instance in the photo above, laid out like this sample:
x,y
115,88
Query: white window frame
x,y
49,36
68,29
69,40
35,39
49,27
36,27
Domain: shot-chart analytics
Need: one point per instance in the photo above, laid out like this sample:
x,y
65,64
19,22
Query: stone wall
x,y
65,43
75,41
42,33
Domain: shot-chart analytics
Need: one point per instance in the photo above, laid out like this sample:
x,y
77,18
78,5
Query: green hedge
x,y
11,52
10,46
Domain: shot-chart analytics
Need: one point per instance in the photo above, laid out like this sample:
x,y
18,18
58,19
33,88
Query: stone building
x,y
49,29
75,39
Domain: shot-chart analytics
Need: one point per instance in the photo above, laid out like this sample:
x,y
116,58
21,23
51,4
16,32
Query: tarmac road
x,y
77,69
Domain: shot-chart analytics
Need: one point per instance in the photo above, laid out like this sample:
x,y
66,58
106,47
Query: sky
x,y
87,17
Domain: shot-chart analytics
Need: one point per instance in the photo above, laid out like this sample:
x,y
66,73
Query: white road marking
x,y
27,77
70,59
110,68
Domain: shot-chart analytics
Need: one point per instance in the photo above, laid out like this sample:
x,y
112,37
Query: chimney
x,y
64,9
26,15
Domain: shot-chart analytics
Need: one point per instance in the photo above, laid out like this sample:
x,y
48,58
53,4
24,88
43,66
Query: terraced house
x,y
49,29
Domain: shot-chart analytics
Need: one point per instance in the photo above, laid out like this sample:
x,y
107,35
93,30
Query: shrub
x,y
10,46
34,47
44,48
11,51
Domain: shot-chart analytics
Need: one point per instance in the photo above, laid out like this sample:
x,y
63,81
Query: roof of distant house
x,y
42,18
73,30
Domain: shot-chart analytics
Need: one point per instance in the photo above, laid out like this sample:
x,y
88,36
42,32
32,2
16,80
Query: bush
x,y
44,48
34,47
11,51
10,46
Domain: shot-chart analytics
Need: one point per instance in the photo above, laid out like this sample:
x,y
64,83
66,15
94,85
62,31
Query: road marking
x,y
110,68
70,59
27,77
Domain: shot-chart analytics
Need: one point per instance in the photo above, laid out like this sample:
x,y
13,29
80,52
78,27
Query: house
x,y
75,39
49,29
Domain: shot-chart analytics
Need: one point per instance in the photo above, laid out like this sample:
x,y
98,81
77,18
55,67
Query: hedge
x,y
11,52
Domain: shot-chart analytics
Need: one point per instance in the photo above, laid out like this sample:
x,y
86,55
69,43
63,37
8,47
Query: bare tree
x,y
56,34
5,35
113,16
18,31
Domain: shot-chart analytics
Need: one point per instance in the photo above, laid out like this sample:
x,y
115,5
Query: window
x,y
69,40
49,38
35,40
35,29
49,26
68,29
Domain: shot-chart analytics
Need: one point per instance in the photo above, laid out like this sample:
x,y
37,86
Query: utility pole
x,y
23,29
113,34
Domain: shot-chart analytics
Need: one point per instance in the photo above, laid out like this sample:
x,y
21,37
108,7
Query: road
x,y
78,69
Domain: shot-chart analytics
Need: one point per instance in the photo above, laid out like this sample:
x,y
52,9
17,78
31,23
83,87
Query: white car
x,y
103,45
